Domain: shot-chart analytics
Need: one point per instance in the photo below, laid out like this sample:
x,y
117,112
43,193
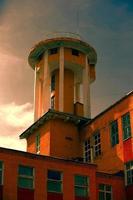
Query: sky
x,y
105,24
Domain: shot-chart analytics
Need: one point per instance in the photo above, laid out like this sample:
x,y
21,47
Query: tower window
x,y
53,82
105,192
75,52
97,144
114,133
52,102
53,51
26,177
81,186
1,172
87,151
126,126
54,181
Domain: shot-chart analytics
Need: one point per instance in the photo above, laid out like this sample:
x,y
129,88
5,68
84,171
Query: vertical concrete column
x,y
77,92
61,80
35,95
86,89
46,84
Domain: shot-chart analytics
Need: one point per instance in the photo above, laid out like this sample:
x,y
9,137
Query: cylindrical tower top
x,y
57,40
64,67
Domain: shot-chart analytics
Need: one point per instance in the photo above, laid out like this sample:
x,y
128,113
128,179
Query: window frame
x,y
55,181
81,186
87,150
27,177
53,82
114,136
105,191
97,146
126,128
37,143
2,172
53,102
129,172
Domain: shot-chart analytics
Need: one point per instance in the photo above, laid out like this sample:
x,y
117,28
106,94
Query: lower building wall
x,y
25,194
54,196
81,198
1,192
129,192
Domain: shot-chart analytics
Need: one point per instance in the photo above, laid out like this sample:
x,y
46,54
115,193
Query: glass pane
x,y
55,175
81,180
101,186
101,196
81,192
25,183
0,177
54,186
24,170
108,196
108,187
1,163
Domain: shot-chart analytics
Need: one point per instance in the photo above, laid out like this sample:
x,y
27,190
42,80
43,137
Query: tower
x,y
64,69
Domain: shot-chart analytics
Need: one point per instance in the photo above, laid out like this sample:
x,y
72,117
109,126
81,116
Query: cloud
x,y
14,119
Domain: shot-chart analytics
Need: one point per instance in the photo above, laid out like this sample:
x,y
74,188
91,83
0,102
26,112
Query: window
x,y
75,52
114,133
52,102
37,143
129,172
53,82
81,186
105,192
87,151
1,172
53,51
54,182
126,126
26,177
97,144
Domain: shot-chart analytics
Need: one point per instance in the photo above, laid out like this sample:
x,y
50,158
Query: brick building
x,y
69,155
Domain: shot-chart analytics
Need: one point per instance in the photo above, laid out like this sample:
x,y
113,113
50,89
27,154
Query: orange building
x,y
69,155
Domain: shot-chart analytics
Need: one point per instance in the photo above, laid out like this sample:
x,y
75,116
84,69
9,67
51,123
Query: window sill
x,y
127,138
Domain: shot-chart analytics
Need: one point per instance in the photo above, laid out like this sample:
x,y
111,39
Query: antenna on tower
x,y
77,20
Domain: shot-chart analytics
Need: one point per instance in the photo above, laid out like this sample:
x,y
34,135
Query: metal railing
x,y
62,34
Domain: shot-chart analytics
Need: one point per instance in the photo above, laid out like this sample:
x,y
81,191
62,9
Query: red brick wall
x,y
25,194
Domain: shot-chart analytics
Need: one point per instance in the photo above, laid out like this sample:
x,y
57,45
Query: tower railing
x,y
62,34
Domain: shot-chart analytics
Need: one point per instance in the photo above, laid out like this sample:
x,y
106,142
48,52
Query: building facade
x,y
69,155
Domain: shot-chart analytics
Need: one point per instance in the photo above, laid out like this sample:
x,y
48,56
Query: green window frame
x,y
97,144
105,192
1,173
81,186
126,126
114,133
129,173
54,181
37,143
26,177
87,151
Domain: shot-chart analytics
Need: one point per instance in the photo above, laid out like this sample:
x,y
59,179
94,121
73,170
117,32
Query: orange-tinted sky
x,y
105,24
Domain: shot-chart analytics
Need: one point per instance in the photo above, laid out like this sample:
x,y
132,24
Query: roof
x,y
43,157
52,114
